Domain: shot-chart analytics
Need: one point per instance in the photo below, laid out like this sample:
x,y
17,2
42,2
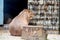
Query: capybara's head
x,y
27,13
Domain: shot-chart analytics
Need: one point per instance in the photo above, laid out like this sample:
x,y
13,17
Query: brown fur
x,y
15,27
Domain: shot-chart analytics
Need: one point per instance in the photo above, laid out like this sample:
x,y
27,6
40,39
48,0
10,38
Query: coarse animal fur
x,y
15,27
